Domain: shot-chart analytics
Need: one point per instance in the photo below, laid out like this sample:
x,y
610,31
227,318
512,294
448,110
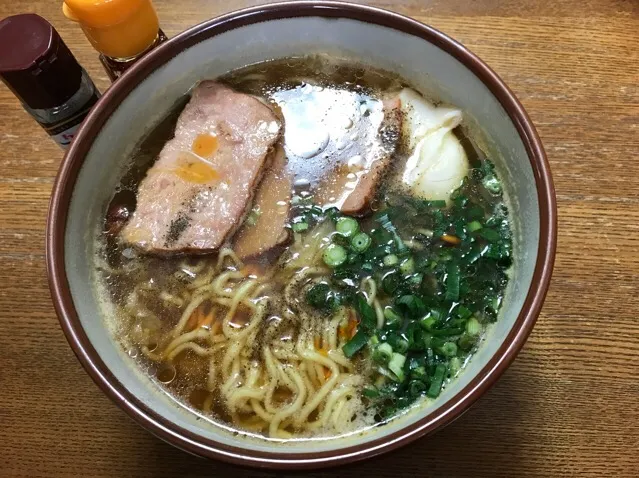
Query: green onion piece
x,y
436,203
322,297
360,242
400,345
419,372
359,340
347,226
416,388
412,304
391,260
452,282
299,226
473,327
437,381
428,322
466,342
374,340
490,234
383,353
454,365
390,282
447,332
370,392
463,312
473,226
393,319
396,365
368,318
448,349
334,255
407,266
491,183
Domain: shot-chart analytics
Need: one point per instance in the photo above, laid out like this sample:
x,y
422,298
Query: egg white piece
x,y
438,162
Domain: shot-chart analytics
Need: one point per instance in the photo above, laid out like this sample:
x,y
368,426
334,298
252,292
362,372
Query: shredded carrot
x,y
206,320
252,269
347,331
450,239
194,319
318,343
216,327
327,373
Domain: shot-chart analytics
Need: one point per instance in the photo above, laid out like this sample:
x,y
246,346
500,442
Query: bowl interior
x,y
428,67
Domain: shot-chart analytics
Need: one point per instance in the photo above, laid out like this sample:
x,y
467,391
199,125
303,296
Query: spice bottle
x,y
122,31
43,73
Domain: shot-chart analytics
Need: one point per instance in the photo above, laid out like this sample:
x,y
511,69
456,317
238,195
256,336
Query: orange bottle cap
x,y
117,28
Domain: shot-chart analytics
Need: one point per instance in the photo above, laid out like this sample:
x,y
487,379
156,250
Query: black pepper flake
x,y
177,227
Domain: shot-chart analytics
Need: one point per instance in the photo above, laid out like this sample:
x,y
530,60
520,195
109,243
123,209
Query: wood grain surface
x,y
569,405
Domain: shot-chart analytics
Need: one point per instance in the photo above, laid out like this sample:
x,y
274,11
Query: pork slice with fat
x,y
352,186
265,228
200,188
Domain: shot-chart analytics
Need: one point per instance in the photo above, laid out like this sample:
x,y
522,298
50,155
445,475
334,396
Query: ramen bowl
x,y
429,60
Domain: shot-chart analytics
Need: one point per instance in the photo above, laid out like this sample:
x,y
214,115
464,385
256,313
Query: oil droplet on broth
x,y
204,145
195,170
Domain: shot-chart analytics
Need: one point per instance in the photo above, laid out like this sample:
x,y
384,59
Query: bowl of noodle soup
x,y
354,332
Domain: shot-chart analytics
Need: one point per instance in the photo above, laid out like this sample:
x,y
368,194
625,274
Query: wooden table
x,y
570,403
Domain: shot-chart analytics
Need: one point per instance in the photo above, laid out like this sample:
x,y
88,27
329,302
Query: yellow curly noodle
x,y
282,385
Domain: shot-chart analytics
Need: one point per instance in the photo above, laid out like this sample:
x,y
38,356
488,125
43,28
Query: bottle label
x,y
65,137
63,133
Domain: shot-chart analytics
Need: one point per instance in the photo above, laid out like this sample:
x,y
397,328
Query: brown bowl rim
x,y
194,443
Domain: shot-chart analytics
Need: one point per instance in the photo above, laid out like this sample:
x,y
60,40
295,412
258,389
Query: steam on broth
x,y
357,277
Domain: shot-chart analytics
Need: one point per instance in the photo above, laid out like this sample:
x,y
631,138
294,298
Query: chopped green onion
x,y
400,345
253,216
359,340
428,322
412,304
407,266
334,255
370,392
368,318
452,282
473,226
347,226
416,388
473,327
360,242
396,365
491,183
454,365
383,353
463,312
390,282
447,332
419,372
448,349
490,234
393,319
391,260
466,341
322,297
299,226
437,381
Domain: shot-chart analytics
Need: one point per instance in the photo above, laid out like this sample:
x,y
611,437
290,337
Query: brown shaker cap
x,y
35,63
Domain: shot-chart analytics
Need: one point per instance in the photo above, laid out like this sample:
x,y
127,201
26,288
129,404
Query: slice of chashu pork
x,y
352,185
201,187
266,227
